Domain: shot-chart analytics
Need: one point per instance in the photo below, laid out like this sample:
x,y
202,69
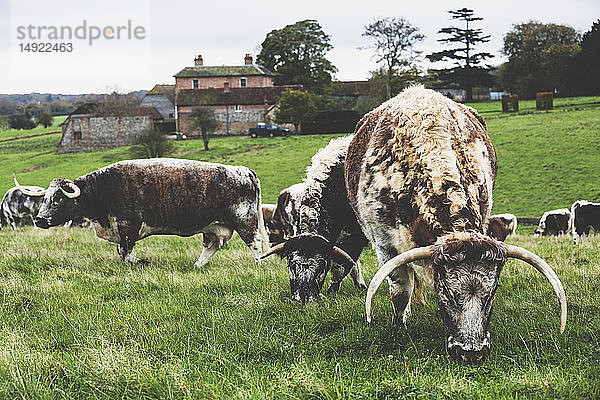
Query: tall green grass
x,y
78,323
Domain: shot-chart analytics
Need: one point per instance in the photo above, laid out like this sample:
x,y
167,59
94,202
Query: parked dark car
x,y
270,130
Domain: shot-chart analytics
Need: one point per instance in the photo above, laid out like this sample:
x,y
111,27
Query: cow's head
x,y
59,205
309,259
466,269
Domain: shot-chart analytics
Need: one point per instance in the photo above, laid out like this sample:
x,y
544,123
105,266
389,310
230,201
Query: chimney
x,y
198,62
248,59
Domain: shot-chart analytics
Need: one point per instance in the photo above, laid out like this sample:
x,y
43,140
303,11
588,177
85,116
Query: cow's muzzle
x,y
42,223
469,357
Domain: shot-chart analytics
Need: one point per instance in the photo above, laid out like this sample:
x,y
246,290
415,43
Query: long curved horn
x,y
26,191
408,256
538,263
76,192
274,250
343,254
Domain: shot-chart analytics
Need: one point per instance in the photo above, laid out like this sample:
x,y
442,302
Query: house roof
x,y
241,96
222,71
166,90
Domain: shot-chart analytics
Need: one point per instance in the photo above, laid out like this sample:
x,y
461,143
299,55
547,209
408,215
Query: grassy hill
x,y
76,322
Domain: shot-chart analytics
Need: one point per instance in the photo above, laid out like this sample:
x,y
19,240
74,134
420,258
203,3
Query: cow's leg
x,y
128,234
247,228
353,245
402,283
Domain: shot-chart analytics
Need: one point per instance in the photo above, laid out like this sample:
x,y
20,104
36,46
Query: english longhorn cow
x,y
420,173
584,216
18,209
554,223
327,234
130,200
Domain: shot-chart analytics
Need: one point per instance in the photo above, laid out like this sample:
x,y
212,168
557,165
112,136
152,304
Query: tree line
x,y
540,57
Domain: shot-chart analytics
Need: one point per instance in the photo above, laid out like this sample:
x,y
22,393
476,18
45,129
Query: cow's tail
x,y
264,236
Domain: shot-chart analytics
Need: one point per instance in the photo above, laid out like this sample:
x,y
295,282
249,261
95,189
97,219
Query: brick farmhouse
x,y
241,96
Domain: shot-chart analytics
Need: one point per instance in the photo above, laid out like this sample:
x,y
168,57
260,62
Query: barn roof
x,y
241,96
222,71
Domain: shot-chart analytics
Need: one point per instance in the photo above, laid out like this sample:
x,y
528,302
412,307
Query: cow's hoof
x,y
362,287
334,287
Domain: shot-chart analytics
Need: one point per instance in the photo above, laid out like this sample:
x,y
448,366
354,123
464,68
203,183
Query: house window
x,y
238,107
243,82
77,135
195,83
171,115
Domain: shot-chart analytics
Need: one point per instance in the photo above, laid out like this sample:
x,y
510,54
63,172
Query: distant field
x,y
24,133
76,322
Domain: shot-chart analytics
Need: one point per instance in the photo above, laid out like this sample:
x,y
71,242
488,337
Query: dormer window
x,y
243,82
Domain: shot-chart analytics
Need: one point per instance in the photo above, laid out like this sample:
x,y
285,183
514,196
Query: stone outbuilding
x,y
84,129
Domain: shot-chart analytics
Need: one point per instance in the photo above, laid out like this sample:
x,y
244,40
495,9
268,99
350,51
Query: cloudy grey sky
x,y
175,31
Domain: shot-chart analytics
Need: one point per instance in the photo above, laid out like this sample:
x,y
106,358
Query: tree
x,y
21,121
151,143
44,118
394,40
467,71
540,58
589,60
294,107
117,105
296,54
204,119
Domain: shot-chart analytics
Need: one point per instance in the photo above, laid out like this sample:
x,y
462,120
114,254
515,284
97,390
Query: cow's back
x,y
172,193
421,154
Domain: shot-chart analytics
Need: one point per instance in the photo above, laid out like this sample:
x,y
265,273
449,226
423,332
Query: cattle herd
x,y
415,181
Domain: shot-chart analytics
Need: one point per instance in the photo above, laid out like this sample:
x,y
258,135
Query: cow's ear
x,y
496,229
421,234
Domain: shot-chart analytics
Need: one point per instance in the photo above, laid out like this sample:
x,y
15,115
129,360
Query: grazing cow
x,y
420,173
584,215
287,213
18,209
130,200
504,225
554,223
326,231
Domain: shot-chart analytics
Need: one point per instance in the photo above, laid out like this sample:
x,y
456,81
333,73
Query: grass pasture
x,y
78,323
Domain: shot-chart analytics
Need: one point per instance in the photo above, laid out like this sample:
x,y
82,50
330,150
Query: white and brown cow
x,y
18,208
503,225
326,232
554,223
585,215
420,174
130,200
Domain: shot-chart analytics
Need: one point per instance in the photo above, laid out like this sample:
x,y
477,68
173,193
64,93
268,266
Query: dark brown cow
x,y
420,174
326,232
585,215
130,200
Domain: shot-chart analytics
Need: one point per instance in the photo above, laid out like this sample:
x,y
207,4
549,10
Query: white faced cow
x,y
420,174
130,200
584,216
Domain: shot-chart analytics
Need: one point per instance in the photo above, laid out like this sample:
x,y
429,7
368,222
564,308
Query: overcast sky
x,y
171,33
